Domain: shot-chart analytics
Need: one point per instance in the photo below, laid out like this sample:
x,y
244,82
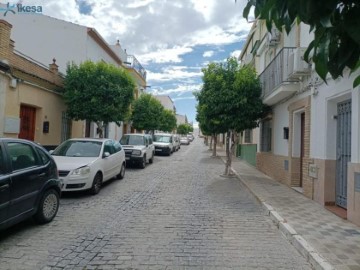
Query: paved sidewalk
x,y
324,239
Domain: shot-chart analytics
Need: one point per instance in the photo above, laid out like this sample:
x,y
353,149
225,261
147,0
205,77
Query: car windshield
x,y
132,140
78,149
161,138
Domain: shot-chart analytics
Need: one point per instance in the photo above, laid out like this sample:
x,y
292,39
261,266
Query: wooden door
x,y
27,122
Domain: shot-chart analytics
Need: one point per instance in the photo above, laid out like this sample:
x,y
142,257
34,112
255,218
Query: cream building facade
x,y
47,38
310,140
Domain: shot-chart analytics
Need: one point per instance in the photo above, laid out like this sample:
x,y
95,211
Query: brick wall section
x,y
307,181
273,166
23,68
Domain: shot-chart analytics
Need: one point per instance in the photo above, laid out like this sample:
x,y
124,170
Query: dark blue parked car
x,y
29,184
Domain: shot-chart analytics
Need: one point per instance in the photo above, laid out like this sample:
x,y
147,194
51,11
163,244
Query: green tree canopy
x,y
168,121
184,129
98,92
146,113
230,99
336,26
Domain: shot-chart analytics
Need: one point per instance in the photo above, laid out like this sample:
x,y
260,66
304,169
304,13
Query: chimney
x,y
54,67
6,44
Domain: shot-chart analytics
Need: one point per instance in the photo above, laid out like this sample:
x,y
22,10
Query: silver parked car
x,y
139,149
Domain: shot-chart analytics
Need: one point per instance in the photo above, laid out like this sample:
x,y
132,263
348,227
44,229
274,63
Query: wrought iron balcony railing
x,y
135,64
277,72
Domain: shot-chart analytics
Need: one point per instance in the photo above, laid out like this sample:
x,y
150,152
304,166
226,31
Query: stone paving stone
x,y
177,213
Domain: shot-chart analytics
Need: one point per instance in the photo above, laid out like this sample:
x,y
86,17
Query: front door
x,y
343,151
27,122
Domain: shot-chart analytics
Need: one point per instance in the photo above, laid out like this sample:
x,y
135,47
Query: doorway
x,y
27,122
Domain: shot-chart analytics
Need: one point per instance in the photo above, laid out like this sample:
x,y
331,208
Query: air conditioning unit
x,y
274,37
297,66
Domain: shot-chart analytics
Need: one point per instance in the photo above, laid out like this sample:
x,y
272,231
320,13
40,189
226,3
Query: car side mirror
x,y
106,154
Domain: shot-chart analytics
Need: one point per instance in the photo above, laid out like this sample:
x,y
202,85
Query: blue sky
x,y
172,39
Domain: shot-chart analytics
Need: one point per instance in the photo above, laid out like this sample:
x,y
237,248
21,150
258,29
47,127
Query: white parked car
x,y
184,140
139,149
84,164
164,143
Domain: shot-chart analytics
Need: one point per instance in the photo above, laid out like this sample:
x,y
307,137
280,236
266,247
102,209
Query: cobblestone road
x,y
178,213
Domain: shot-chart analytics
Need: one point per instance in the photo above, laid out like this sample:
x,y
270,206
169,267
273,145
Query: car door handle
x,y
3,187
41,174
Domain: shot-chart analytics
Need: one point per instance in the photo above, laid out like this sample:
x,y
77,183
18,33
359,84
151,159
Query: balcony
x,y
275,80
132,62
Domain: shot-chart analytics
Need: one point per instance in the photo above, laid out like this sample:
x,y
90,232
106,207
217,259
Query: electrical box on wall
x,y
313,171
357,181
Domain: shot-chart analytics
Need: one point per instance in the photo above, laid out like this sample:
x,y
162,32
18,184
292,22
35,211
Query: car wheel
x,y
143,162
122,172
48,207
96,186
151,160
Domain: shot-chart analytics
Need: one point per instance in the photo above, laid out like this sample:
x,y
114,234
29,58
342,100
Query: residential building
x,y
31,103
310,140
47,38
167,102
181,119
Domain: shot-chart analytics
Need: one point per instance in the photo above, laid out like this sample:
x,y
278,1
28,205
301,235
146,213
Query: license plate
x,y
127,158
158,150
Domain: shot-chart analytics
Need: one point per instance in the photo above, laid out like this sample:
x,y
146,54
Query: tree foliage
x,y
146,113
98,92
336,26
230,99
184,129
167,121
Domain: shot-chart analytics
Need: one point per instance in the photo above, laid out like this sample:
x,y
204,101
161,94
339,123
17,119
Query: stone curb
x,y
301,245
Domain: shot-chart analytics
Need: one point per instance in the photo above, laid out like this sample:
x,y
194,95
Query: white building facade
x,y
310,140
45,38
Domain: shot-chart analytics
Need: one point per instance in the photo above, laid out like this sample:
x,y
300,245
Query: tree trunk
x,y
211,142
229,152
215,145
100,129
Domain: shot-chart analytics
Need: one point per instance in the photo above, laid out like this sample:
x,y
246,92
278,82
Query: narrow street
x,y
177,213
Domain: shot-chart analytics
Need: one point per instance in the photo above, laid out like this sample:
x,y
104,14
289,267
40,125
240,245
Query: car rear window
x,y
132,140
73,148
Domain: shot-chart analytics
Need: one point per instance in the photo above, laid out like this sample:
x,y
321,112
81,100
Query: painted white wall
x,y
95,53
323,123
280,120
45,38
305,36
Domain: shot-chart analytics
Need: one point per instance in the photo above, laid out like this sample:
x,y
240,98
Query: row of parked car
x,y
32,179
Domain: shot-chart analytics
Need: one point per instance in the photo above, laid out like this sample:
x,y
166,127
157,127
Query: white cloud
x,y
172,73
166,55
179,91
235,53
208,53
183,98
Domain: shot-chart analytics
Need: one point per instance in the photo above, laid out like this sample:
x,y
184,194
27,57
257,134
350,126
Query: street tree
x,y
98,92
167,121
336,26
184,129
146,113
209,109
231,101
